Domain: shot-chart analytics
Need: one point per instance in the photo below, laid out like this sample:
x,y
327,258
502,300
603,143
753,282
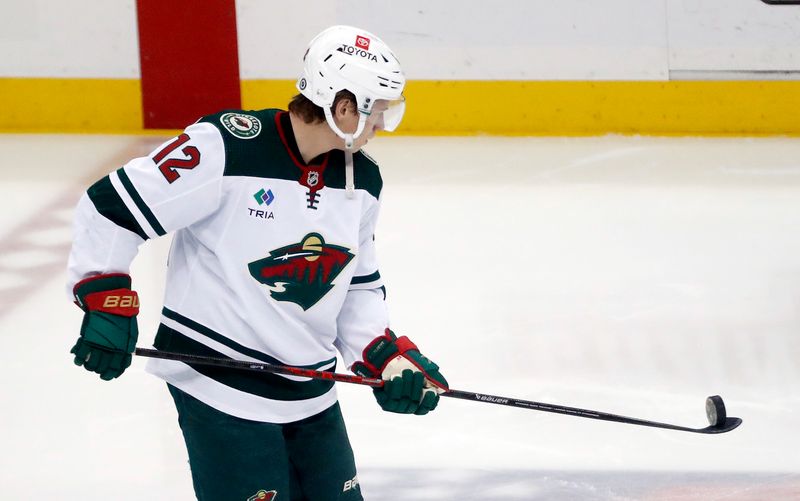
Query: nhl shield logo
x,y
313,178
240,125
301,273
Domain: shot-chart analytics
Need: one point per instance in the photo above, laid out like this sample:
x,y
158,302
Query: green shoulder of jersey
x,y
254,148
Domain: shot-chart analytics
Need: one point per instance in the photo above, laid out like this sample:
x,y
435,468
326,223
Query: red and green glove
x,y
109,329
412,383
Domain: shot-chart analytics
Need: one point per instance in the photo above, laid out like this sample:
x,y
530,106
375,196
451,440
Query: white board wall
x,y
446,39
733,35
69,39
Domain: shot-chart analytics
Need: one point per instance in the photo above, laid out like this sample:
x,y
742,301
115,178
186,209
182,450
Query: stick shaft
x,y
730,424
258,366
560,409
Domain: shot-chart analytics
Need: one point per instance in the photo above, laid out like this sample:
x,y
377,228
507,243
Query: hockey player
x,y
272,260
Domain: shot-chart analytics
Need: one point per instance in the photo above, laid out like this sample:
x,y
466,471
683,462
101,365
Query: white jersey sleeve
x,y
177,184
364,315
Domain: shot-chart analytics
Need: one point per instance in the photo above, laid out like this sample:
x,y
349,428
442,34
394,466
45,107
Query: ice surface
x,y
629,275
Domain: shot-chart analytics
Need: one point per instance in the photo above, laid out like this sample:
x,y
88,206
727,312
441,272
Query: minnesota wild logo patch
x,y
263,495
241,125
301,273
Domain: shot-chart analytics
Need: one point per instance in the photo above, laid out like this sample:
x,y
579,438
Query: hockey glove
x,y
109,329
412,383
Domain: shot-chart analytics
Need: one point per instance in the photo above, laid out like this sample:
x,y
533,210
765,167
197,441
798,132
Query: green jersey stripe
x,y
216,336
108,203
137,199
365,279
271,386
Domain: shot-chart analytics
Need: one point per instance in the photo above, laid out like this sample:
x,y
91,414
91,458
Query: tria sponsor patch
x,y
264,197
261,214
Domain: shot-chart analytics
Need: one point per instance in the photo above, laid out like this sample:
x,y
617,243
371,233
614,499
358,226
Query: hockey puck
x,y
715,410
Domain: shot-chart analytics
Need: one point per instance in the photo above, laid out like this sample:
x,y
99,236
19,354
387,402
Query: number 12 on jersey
x,y
168,166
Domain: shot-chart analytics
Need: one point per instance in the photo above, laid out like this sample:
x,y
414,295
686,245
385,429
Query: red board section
x,y
189,59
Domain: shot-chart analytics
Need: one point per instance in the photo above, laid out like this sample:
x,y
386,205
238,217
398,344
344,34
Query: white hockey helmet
x,y
348,58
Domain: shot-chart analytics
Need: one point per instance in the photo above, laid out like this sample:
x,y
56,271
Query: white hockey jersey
x,y
270,260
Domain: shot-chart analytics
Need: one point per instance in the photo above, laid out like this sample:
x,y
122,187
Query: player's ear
x,y
343,107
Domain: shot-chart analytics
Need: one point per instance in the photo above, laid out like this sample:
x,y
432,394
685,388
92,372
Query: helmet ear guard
x,y
349,139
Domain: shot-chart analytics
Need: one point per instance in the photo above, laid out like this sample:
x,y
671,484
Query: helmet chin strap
x,y
349,141
349,177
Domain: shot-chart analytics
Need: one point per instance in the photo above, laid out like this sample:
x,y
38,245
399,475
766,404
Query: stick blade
x,y
730,423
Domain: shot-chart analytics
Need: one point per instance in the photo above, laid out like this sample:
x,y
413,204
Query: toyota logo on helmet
x,y
362,42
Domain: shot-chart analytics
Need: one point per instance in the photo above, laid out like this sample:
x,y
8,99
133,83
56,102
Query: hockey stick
x,y
715,407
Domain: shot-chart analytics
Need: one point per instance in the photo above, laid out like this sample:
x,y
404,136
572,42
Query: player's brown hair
x,y
302,106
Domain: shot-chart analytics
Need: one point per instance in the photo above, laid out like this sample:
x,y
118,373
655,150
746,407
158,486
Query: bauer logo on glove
x,y
109,330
